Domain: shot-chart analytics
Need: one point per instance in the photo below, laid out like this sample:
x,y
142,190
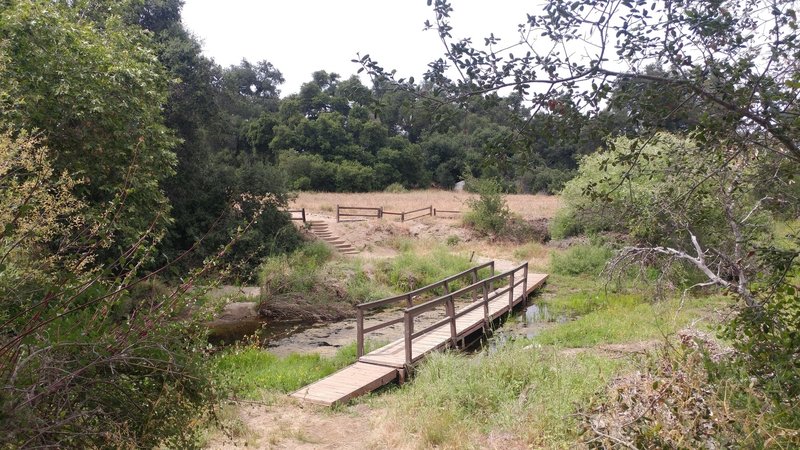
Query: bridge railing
x,y
408,300
447,300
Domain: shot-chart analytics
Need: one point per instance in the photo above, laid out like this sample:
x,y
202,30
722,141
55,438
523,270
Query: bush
x,y
633,189
296,272
410,271
581,260
395,188
690,396
489,213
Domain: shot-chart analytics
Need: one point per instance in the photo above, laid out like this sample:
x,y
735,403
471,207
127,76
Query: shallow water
x,y
525,325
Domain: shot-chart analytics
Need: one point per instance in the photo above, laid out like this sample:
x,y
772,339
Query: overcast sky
x,y
301,36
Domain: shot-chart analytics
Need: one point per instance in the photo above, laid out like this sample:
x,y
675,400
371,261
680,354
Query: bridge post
x,y
491,283
485,302
408,330
451,312
525,282
360,332
511,293
474,281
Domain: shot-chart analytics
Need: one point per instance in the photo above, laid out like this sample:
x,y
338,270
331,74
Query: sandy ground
x,y
527,206
293,425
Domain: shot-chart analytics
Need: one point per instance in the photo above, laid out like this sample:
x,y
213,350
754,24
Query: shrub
x,y
395,188
410,271
633,187
296,272
488,213
581,260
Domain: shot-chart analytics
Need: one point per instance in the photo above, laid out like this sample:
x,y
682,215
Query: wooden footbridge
x,y
489,297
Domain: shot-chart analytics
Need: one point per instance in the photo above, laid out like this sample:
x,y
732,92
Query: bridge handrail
x,y
409,300
448,300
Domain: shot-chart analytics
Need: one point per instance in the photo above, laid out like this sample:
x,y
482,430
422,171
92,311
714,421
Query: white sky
x,y
301,36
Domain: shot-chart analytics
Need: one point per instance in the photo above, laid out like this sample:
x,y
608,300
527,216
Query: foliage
x,y
690,396
81,363
296,272
612,43
100,110
635,205
310,274
395,188
489,213
409,270
767,336
584,259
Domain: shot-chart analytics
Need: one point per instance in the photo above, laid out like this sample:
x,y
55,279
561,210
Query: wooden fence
x,y
378,213
408,300
425,212
444,211
302,213
357,211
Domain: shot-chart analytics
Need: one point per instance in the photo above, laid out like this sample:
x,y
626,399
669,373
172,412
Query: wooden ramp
x,y
347,383
393,361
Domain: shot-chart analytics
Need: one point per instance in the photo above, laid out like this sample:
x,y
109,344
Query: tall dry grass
x,y
527,206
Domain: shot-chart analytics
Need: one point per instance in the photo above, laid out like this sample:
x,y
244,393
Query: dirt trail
x,y
291,425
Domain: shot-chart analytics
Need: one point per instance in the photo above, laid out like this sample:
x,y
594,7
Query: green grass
x,y
581,260
409,270
251,372
620,318
531,250
524,391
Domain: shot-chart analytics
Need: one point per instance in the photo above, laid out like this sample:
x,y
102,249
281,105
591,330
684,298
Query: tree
x,y
95,92
735,57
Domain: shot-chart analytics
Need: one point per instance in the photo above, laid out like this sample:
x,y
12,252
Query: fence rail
x,y
404,215
439,211
408,299
357,211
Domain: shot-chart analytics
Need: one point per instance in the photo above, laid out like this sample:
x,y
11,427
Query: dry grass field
x,y
527,206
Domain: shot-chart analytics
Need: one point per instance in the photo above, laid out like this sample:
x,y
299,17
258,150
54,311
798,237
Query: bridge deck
x,y
386,364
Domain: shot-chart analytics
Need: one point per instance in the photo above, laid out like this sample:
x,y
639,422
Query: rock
x,y
459,187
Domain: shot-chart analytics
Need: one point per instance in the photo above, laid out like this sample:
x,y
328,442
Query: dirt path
x,y
293,425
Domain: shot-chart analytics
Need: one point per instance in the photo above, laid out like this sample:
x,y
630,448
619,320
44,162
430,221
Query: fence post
x,y
380,213
430,210
337,213
409,300
408,325
403,216
434,212
360,332
304,214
